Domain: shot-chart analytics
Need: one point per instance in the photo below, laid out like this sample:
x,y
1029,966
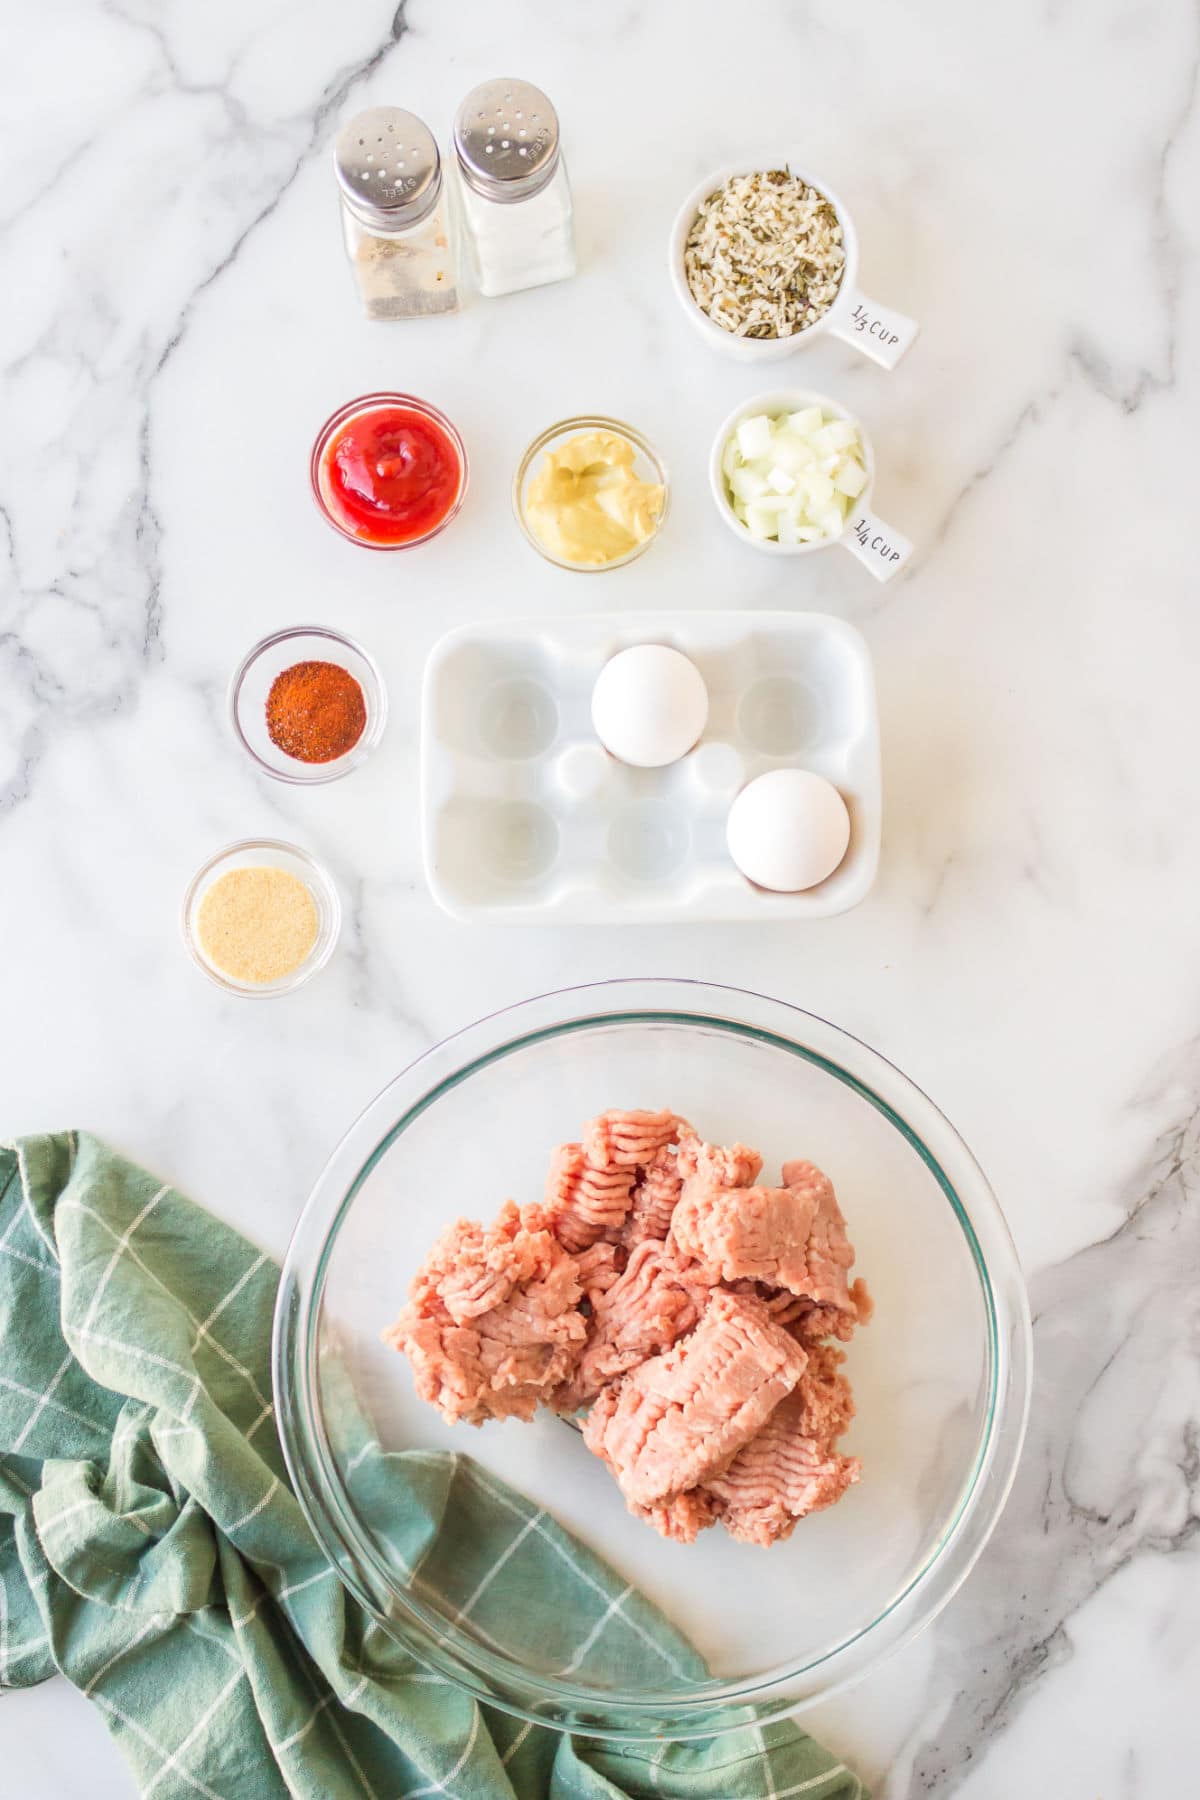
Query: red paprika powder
x,y
315,712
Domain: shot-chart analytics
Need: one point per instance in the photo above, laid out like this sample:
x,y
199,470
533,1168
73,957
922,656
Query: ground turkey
x,y
787,1470
493,1324
657,1300
653,1199
687,1307
791,1237
592,1186
790,1468
682,1416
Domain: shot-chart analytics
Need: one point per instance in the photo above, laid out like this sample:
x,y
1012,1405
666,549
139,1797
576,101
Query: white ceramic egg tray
x,y
526,818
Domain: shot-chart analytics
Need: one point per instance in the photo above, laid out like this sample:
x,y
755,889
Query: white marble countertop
x,y
178,319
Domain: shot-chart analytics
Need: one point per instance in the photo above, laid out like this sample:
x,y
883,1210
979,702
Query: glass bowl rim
x,y
590,422
364,403
548,1700
316,774
317,957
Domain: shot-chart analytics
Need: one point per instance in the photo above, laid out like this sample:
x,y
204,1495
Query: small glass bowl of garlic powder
x,y
261,917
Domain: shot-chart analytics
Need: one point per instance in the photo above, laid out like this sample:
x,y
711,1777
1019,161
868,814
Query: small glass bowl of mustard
x,y
555,487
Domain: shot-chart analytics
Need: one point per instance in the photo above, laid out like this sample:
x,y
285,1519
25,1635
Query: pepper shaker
x,y
512,187
395,218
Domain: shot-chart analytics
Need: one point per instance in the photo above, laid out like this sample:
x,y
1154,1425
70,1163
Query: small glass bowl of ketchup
x,y
388,471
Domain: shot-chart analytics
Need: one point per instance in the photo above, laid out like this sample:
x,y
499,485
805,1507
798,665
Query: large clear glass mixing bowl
x,y
941,1375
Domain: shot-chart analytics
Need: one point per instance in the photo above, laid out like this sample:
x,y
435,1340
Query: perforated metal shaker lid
x,y
506,139
388,167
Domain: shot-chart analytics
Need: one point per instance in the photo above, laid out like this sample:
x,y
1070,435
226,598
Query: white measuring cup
x,y
878,546
878,331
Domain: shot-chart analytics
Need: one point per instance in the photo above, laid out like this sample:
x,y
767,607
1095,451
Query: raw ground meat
x,y
681,1518
791,1237
687,1306
655,1193
630,1140
810,1323
791,1469
683,1415
718,1165
598,1268
825,1395
780,1477
590,1188
645,1310
492,1324
586,1201
805,1319
474,1270
787,1470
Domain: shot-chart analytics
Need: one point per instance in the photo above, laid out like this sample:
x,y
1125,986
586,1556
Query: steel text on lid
x,y
506,140
388,167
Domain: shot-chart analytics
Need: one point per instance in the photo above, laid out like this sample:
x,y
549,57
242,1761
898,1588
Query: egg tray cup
x,y
526,818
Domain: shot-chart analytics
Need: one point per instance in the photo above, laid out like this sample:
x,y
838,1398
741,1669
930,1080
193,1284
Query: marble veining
x,y
177,320
1111,1471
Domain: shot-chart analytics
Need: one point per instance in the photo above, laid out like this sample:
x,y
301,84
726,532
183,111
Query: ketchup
x,y
389,472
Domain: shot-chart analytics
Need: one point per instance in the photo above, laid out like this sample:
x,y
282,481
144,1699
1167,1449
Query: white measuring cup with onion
x,y
874,543
879,332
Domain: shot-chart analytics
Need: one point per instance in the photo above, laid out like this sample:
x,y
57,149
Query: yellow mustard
x,y
585,505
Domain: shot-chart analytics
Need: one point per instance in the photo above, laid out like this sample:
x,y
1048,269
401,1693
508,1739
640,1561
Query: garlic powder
x,y
257,925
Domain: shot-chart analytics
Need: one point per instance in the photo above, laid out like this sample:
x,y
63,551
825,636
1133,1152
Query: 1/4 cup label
x,y
883,549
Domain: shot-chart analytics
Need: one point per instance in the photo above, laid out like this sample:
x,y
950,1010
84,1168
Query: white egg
x,y
788,830
649,705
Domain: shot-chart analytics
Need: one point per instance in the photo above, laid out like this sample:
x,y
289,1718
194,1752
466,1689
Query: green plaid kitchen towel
x,y
152,1551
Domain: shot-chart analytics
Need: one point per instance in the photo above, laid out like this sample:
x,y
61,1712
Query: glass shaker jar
x,y
513,188
395,218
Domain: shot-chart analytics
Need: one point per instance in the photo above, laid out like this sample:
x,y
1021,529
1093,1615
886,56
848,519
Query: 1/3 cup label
x,y
875,327
877,331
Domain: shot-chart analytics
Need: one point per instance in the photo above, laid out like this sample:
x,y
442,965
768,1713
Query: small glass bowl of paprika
x,y
388,471
307,704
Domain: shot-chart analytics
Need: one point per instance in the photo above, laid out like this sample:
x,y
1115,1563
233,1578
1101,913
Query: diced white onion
x,y
754,437
851,478
818,488
792,477
747,483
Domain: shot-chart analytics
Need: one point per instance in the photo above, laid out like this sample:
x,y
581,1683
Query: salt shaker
x,y
395,217
513,188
